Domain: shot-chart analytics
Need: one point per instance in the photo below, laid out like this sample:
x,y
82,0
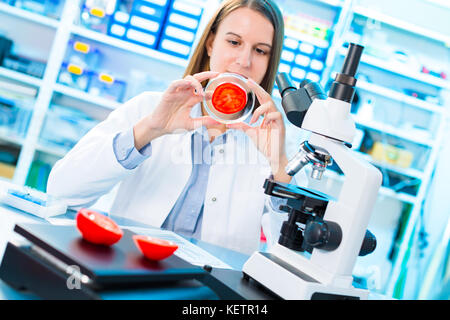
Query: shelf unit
x,y
29,16
128,46
398,70
65,28
20,77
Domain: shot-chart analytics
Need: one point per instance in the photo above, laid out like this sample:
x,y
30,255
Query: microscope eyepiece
x,y
352,59
314,89
343,87
284,83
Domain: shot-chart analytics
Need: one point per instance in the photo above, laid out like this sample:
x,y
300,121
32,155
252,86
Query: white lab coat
x,y
234,201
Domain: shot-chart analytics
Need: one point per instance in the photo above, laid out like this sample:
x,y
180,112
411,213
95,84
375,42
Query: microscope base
x,y
292,284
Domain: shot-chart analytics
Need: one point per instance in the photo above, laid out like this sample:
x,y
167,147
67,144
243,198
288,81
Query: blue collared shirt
x,y
186,215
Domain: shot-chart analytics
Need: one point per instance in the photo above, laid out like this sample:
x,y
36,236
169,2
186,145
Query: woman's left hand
x,y
270,136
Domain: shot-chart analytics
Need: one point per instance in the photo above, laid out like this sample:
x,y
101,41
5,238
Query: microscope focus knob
x,y
325,235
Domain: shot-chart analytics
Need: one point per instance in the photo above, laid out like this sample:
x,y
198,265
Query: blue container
x,y
107,86
287,56
150,9
96,14
298,74
145,24
290,44
183,20
117,30
180,28
320,53
65,126
142,38
73,76
188,8
83,55
174,47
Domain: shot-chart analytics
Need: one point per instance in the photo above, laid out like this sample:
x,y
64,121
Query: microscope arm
x,y
352,210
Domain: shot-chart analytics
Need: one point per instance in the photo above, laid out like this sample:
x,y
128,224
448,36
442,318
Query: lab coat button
x,y
221,150
213,199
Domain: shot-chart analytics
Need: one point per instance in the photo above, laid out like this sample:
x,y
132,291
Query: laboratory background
x,y
65,65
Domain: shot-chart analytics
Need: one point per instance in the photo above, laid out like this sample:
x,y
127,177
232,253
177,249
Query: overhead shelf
x,y
84,96
306,38
8,136
28,15
331,3
383,191
403,25
128,46
393,131
398,96
20,77
52,150
403,171
402,70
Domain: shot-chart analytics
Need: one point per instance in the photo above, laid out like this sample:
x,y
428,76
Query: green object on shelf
x,y
38,175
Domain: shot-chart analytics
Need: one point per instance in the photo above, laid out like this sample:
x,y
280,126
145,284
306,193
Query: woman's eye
x,y
233,42
260,51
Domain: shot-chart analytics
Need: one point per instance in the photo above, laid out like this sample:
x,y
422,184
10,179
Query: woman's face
x,y
242,44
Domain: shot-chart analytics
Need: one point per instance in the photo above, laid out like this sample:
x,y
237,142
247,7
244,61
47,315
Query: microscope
x,y
322,237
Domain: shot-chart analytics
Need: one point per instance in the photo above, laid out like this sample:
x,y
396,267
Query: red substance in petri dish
x,y
229,98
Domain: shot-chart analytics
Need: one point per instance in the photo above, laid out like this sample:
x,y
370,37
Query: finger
x,y
273,116
260,93
262,109
195,84
202,76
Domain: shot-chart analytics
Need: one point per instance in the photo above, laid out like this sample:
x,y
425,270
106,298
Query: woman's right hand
x,y
173,111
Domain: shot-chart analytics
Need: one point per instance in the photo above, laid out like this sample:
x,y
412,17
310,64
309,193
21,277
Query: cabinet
x,y
403,92
401,110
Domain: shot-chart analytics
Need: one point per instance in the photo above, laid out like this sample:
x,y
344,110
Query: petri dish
x,y
228,99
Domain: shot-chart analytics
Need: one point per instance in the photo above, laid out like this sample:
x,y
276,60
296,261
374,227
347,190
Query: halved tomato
x,y
98,228
154,248
229,98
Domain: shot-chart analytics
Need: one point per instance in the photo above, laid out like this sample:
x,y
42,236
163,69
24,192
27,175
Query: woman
x,y
178,168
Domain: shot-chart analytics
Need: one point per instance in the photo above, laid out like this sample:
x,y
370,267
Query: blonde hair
x,y
199,61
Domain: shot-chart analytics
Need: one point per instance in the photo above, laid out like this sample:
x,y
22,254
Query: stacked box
x,y
81,58
65,126
302,60
105,85
141,22
178,34
96,14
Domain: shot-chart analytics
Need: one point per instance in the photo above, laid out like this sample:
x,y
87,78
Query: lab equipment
x,y
25,65
53,260
228,99
395,155
83,55
31,200
15,110
74,76
95,14
65,126
5,48
323,236
107,86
